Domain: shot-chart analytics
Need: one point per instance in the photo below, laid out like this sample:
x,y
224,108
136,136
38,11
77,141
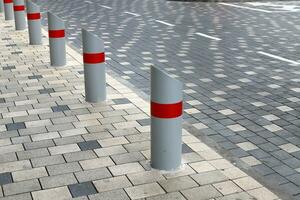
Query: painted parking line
x,y
278,58
105,7
208,36
248,8
165,23
131,13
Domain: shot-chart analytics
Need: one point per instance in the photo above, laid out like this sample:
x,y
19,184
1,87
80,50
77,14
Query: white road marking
x,y
105,7
237,6
208,36
165,23
278,58
131,13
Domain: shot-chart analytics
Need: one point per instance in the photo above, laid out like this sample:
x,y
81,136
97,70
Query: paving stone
x,y
108,151
142,191
96,163
89,145
21,187
108,195
227,187
14,166
82,189
202,166
29,174
80,155
64,149
241,195
25,196
48,160
261,193
60,193
126,168
5,178
35,153
201,193
127,158
91,175
176,184
57,181
15,126
168,196
63,168
112,183
206,178
145,177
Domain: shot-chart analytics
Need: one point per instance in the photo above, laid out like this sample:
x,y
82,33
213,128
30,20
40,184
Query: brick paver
x,y
67,152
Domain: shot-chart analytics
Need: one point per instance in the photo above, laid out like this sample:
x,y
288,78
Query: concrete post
x,y
19,13
34,23
166,121
94,67
57,41
8,9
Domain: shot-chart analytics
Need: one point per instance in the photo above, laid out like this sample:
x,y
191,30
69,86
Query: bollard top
x,y
32,7
91,42
164,88
54,22
18,2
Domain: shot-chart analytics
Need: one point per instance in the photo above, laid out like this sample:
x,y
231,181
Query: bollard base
x,y
179,169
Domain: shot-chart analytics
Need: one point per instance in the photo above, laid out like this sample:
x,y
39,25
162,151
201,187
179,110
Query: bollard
x,y
166,121
34,23
1,6
57,40
8,9
94,67
19,12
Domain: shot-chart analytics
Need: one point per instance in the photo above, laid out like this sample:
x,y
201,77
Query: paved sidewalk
x,y
54,145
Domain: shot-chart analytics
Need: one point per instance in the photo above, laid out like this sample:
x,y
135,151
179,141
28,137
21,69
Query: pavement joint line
x,y
278,58
243,7
103,6
208,36
165,23
131,13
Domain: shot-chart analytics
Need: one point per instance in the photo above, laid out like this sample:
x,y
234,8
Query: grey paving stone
x,y
5,178
25,196
63,168
21,187
209,177
60,108
91,175
127,157
15,126
82,189
108,195
176,184
48,160
89,145
201,193
80,155
57,181
36,153
168,196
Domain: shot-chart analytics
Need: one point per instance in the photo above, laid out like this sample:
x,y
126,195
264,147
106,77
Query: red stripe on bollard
x,y
19,8
166,110
8,1
33,16
93,58
56,33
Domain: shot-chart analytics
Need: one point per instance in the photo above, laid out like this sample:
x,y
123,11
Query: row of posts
x,y
166,92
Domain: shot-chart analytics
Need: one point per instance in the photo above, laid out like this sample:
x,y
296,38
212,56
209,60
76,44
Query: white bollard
x,y
34,23
19,13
